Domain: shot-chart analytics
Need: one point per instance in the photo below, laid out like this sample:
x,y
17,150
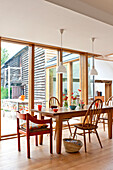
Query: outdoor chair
x,y
33,127
90,121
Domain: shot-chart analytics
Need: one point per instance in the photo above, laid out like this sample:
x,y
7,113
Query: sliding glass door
x,y
14,83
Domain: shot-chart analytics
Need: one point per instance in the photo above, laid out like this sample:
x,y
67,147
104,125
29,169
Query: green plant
x,y
4,55
4,92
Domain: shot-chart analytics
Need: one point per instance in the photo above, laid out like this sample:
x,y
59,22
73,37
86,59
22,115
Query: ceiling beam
x,y
11,40
104,58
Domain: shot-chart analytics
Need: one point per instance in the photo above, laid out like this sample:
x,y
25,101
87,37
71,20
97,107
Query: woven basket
x,y
72,145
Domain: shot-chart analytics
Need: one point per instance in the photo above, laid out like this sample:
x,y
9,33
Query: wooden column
x,y
108,91
31,78
84,78
47,88
57,77
69,82
0,88
60,82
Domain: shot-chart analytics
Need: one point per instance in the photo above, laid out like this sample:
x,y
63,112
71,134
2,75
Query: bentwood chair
x,y
90,121
104,117
33,127
54,101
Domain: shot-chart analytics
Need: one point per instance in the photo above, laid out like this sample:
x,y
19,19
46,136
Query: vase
x,y
77,101
65,104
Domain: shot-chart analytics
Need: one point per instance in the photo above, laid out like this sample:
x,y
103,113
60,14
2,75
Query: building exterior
x,y
14,74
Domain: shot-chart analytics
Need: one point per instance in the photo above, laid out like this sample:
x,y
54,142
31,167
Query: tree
x,y
4,93
4,55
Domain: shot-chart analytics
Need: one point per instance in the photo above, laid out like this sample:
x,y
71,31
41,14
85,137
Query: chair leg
x,y
104,125
18,142
75,132
55,133
28,146
98,138
84,140
69,127
89,136
51,143
36,140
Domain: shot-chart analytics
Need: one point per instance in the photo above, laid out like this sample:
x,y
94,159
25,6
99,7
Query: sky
x,y
12,48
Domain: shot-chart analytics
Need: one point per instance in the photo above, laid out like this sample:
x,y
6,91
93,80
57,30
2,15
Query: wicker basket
x,y
72,145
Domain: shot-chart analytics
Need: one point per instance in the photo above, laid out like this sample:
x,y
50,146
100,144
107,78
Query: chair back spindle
x,y
110,99
93,114
54,101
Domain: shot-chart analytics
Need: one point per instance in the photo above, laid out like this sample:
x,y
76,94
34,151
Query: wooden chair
x,y
104,116
28,130
55,101
90,121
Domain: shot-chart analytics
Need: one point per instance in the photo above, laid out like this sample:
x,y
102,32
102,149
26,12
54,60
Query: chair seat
x,y
33,127
86,126
35,130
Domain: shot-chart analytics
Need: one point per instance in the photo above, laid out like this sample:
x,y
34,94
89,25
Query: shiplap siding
x,y
25,66
39,74
21,59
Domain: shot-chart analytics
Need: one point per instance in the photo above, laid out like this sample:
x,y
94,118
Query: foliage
x,y
4,55
4,93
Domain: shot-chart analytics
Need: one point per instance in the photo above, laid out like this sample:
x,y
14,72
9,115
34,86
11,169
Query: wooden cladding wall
x,y
25,64
40,74
21,60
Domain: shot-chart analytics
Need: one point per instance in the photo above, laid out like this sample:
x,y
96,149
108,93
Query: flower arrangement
x,y
79,90
73,99
65,100
81,104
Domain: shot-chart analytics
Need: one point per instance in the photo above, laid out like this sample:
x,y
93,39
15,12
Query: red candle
x,y
39,107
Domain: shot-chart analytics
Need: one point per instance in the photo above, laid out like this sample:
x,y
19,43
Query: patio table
x,y
67,113
19,102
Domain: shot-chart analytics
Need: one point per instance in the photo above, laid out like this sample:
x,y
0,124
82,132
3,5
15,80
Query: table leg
x,y
58,134
110,124
41,136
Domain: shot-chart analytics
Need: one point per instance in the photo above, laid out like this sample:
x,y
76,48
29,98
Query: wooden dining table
x,y
63,113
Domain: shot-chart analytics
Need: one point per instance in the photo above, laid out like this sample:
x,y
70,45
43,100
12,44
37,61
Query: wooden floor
x,y
95,159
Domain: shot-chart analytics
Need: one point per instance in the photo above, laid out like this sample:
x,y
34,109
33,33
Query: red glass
x,y
39,107
96,104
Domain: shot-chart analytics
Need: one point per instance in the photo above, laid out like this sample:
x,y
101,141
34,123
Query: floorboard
x,y
95,158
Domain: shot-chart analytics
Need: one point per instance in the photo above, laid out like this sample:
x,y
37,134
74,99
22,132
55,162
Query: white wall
x,y
105,72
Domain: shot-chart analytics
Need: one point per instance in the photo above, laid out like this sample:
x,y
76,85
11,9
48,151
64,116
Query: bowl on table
x,y
55,110
73,107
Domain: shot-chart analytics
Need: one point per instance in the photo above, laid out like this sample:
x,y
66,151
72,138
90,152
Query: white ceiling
x,y
39,21
101,10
